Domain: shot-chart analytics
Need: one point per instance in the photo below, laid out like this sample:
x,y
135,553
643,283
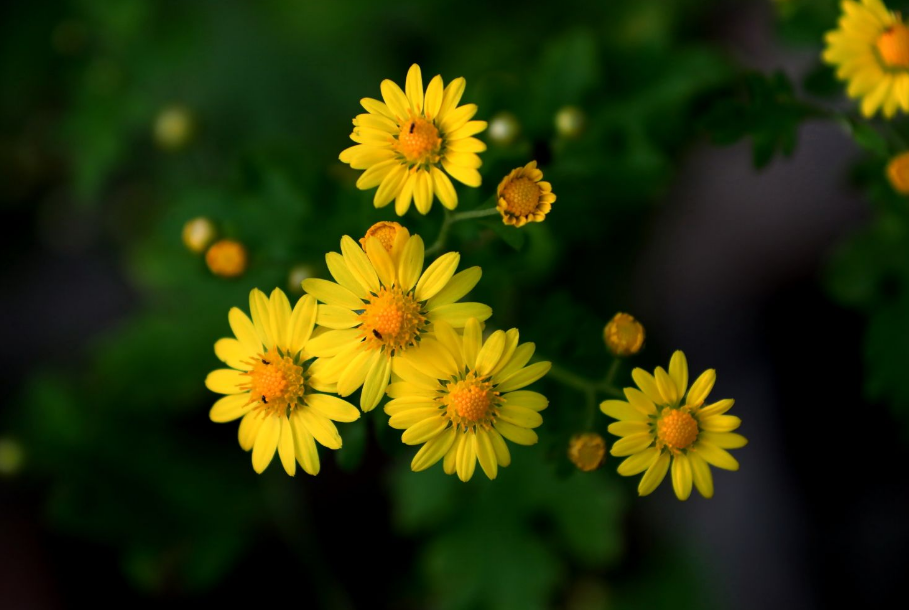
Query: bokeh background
x,y
699,193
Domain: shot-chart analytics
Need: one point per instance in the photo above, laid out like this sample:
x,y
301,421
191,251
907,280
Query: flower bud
x,y
198,234
504,128
11,456
173,128
226,258
624,336
587,451
898,173
570,122
297,274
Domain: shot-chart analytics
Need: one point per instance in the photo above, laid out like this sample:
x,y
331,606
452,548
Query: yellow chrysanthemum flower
x,y
898,173
660,424
403,142
380,306
523,198
460,396
871,51
269,384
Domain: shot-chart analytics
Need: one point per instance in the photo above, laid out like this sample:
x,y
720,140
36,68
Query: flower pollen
x,y
419,141
521,196
275,381
392,320
471,401
676,429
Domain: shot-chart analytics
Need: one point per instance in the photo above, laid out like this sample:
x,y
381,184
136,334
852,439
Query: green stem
x,y
449,220
589,388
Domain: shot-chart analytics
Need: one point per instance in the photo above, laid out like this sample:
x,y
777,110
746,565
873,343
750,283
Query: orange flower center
x,y
275,381
418,141
521,196
385,232
677,429
392,320
471,401
893,46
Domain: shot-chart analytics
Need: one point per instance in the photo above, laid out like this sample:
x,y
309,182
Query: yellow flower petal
x,y
639,462
678,370
230,352
266,443
331,293
629,445
654,475
375,383
231,407
226,381
286,448
516,434
527,399
520,416
437,275
433,450
467,457
457,314
332,407
486,454
423,431
681,476
524,377
700,472
304,445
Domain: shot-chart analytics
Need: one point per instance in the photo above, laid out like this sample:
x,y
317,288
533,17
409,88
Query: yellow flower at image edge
x,y
523,198
380,306
870,50
406,141
270,386
898,173
461,397
661,427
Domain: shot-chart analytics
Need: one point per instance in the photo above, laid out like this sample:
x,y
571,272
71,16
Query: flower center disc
x,y
677,429
470,401
276,381
392,320
522,196
893,46
418,141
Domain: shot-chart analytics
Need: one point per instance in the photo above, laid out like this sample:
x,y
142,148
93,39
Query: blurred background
x,y
695,191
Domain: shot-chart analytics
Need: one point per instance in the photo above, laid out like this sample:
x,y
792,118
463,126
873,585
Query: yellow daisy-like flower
x,y
871,51
523,197
660,424
403,142
462,397
379,307
269,384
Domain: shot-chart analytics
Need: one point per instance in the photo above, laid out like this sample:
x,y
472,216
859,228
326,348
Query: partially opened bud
x,y
587,451
624,336
198,233
226,258
898,173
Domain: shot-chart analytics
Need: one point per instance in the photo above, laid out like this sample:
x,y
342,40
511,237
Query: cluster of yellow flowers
x,y
389,325
385,326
